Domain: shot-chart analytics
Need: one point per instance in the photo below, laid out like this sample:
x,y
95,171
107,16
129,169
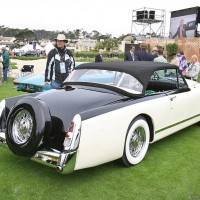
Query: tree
x,y
25,36
70,35
77,33
85,34
95,34
109,44
99,45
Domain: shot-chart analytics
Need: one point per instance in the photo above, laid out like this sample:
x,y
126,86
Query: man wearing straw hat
x,y
60,62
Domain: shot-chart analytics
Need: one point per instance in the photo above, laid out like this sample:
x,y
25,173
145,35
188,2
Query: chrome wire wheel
x,y
22,127
137,141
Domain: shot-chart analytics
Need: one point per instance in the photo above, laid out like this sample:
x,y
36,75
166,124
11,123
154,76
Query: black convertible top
x,y
142,70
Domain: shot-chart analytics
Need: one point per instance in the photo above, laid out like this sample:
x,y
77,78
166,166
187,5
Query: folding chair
x,y
27,69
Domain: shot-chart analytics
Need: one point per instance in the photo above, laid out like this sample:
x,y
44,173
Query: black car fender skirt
x,y
28,123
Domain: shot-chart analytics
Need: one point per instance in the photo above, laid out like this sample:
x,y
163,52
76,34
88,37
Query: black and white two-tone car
x,y
102,112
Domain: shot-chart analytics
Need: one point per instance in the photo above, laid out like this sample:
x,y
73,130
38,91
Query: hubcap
x,y
22,127
137,141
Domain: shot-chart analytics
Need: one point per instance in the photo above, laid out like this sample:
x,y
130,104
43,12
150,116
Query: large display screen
x,y
183,26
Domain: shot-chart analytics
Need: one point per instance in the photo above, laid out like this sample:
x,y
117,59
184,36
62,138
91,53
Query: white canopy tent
x,y
49,46
29,47
15,50
1,46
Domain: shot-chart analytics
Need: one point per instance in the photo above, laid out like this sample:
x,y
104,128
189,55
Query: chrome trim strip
x,y
176,124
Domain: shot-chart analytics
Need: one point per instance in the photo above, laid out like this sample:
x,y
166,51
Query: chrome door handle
x,y
172,98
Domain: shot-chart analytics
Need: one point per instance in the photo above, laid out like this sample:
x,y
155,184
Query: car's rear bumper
x,y
3,139
62,162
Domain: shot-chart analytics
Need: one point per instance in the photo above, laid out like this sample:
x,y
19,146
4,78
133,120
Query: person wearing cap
x,y
143,55
60,62
6,63
130,55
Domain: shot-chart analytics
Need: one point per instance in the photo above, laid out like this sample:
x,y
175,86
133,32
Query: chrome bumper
x,y
62,162
3,139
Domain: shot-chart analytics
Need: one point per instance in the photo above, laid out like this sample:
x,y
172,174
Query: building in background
x,y
85,44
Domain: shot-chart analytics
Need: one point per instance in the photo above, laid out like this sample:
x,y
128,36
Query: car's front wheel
x,y
136,142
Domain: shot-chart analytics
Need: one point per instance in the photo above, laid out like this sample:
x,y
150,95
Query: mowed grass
x,y
8,90
170,170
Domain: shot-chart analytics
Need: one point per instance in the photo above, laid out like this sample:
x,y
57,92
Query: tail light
x,y
16,83
72,137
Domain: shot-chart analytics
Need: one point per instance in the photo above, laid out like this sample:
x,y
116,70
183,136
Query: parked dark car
x,y
29,54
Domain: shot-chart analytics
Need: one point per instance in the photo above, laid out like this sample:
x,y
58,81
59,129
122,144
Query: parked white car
x,y
102,112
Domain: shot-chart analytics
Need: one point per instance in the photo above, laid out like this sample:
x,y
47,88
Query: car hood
x,y
65,104
31,79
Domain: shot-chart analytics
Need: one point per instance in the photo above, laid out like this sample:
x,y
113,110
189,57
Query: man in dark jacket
x,y
6,63
98,57
181,31
60,62
129,55
143,55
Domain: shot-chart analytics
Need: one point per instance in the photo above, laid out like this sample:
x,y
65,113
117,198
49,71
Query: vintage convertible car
x,y
102,112
33,83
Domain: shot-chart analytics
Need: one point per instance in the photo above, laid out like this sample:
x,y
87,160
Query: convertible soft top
x,y
142,70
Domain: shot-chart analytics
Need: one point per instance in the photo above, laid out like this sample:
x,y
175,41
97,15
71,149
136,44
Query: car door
x,y
180,98
183,103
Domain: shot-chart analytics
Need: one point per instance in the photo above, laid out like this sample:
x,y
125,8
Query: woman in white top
x,y
175,60
193,69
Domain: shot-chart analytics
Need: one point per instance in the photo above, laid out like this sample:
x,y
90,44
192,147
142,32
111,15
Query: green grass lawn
x,y
7,90
170,170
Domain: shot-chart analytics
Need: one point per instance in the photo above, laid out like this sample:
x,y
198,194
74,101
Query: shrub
x,y
171,47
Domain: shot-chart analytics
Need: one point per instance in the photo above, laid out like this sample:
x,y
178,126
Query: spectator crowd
x,y
189,70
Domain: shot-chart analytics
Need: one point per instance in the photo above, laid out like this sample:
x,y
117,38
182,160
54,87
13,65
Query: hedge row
x,y
28,58
92,54
82,54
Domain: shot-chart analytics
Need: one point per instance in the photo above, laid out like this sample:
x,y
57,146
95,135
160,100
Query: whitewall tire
x,y
136,142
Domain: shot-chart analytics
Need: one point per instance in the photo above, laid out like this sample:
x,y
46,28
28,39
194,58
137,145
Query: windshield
x,y
113,78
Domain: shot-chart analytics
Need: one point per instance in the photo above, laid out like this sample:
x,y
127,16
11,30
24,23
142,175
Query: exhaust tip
x,y
59,169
